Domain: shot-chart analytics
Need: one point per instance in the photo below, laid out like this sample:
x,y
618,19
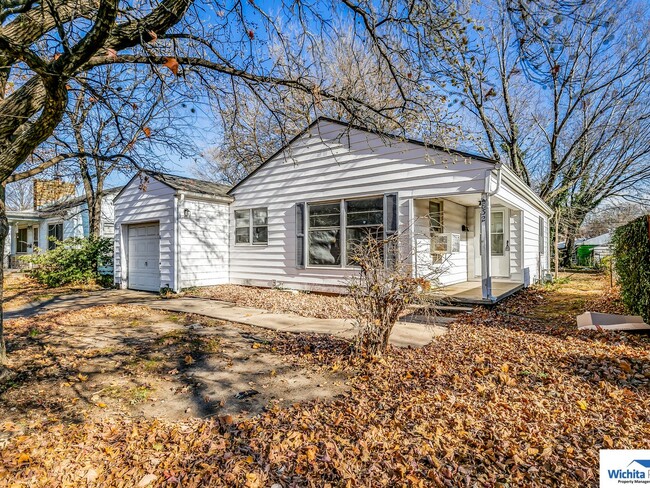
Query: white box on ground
x,y
610,321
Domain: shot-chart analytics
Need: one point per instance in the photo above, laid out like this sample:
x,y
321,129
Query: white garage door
x,y
144,257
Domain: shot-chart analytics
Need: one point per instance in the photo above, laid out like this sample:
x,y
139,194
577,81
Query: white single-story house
x,y
30,230
291,222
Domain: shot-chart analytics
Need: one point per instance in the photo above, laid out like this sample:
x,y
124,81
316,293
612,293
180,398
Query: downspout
x,y
180,199
485,216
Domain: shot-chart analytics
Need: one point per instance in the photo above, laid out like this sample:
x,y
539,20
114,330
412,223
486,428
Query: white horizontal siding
x,y
453,219
533,260
329,164
154,203
204,245
107,219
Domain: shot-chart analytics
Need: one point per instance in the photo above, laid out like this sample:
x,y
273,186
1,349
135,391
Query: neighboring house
x,y
591,251
292,220
30,230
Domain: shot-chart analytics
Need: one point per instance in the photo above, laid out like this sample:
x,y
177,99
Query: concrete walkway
x,y
404,334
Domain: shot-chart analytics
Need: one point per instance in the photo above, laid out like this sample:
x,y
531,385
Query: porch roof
x,y
14,216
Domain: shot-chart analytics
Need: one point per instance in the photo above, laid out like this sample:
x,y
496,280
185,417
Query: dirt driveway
x,y
131,360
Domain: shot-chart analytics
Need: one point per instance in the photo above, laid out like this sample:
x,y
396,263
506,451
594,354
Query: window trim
x,y
18,240
51,245
251,226
35,237
502,233
342,222
343,229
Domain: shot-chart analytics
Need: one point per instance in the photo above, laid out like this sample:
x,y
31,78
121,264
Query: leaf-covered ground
x,y
20,290
278,301
134,361
506,398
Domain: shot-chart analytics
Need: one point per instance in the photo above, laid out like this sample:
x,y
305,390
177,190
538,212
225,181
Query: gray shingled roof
x,y
68,203
183,183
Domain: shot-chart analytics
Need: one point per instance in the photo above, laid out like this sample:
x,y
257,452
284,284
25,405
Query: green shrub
x,y
73,261
632,264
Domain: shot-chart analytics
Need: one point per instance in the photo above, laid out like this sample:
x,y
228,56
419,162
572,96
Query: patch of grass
x,y
153,364
139,394
210,344
134,395
34,332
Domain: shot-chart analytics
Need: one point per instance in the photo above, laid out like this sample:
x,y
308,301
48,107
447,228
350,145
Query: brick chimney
x,y
48,191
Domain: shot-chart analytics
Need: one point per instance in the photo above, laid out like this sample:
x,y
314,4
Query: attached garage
x,y
143,257
171,232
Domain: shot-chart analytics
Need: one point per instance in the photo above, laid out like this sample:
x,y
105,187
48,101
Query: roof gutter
x,y
526,190
488,180
204,196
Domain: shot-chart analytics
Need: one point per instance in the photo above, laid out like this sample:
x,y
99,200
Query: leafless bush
x,y
385,286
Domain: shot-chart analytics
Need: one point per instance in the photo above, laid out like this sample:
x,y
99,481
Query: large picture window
x,y
364,221
251,226
325,234
352,221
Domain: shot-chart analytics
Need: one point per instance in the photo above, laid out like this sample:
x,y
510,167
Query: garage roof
x,y
182,183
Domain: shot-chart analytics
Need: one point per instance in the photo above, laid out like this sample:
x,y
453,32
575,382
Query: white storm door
x,y
500,243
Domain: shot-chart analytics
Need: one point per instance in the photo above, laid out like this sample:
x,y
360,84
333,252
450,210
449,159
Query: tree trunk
x,y
569,250
4,231
95,215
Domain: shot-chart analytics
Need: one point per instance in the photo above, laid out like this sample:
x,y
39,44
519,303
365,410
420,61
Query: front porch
x,y
471,293
454,233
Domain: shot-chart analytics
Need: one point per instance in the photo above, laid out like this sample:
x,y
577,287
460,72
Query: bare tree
x,y
119,120
611,216
386,286
19,195
48,47
255,128
561,92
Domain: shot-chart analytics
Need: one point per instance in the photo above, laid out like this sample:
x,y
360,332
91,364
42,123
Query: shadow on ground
x,y
135,361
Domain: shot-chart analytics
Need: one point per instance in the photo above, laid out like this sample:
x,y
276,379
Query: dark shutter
x,y
390,213
390,228
300,235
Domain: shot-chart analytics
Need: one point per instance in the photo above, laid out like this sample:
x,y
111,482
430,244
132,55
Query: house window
x,y
21,240
325,234
260,226
435,217
35,237
364,221
497,234
54,234
251,225
331,223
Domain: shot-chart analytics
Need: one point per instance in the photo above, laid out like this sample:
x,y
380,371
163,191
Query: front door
x,y
500,243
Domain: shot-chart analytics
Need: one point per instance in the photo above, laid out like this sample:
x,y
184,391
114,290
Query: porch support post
x,y
486,277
